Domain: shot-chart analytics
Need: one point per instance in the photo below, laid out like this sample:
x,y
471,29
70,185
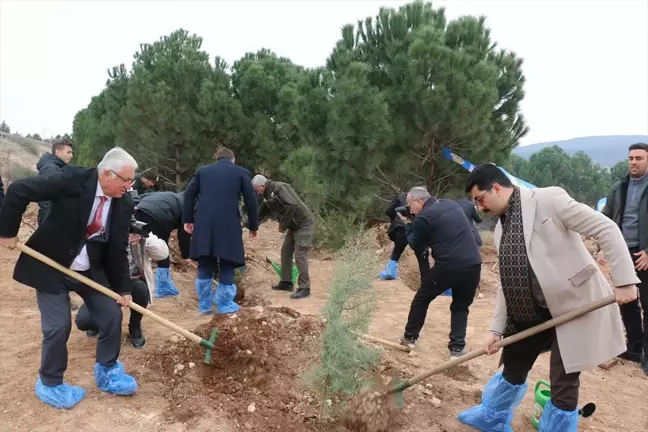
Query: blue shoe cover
x,y
224,299
554,419
62,396
164,286
495,413
113,379
390,272
204,291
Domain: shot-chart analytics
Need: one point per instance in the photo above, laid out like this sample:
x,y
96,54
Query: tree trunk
x,y
178,168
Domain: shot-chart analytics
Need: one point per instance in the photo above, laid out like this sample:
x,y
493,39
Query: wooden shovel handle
x,y
110,293
383,342
575,313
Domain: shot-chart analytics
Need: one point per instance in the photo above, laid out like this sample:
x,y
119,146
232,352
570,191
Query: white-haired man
x,y
282,203
87,231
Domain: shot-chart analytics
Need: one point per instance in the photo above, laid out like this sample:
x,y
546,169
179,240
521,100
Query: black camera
x,y
404,210
137,227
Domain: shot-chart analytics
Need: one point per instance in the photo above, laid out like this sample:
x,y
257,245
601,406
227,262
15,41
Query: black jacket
x,y
47,164
615,206
1,192
396,222
472,215
62,235
164,207
443,227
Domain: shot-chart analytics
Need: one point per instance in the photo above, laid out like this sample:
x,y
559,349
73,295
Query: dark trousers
x,y
518,359
399,238
84,320
463,283
636,327
159,231
297,243
56,324
209,268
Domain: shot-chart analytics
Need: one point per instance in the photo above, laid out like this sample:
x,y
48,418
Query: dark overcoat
x,y
61,236
217,220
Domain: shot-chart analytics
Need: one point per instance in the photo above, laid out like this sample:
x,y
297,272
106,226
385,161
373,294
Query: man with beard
x,y
627,206
545,272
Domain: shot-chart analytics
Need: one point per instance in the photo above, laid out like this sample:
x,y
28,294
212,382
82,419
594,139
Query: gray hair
x,y
259,180
419,192
116,159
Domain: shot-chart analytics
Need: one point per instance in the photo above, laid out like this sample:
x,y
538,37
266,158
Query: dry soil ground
x,y
255,383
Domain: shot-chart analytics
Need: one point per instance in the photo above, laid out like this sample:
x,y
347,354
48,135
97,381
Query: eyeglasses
x,y
480,199
127,181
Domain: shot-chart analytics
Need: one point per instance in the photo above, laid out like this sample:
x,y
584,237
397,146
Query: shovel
x,y
208,344
571,315
368,411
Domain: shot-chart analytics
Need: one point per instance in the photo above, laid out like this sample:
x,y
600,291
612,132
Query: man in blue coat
x,y
216,228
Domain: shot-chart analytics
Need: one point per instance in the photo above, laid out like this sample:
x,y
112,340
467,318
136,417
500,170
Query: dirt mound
x,y
255,372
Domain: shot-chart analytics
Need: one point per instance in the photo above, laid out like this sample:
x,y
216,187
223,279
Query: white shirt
x,y
82,261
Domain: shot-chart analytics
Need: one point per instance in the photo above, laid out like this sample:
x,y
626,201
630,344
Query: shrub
x,y
348,311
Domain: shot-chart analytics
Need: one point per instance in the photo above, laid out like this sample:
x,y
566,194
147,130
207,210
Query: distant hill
x,y
604,150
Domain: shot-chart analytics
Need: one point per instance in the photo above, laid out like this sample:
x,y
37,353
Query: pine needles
x,y
348,311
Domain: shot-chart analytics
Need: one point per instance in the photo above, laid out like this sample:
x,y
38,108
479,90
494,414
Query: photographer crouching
x,y
143,246
440,225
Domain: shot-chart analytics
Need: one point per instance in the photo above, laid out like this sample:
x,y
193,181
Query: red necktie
x,y
96,224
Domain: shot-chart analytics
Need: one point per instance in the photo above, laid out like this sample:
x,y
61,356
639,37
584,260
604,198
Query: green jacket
x,y
282,203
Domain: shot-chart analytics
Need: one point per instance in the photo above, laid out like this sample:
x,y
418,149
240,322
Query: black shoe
x,y
631,356
300,293
408,341
137,338
92,333
283,286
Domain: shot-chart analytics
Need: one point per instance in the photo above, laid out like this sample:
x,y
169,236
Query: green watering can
x,y
543,394
277,268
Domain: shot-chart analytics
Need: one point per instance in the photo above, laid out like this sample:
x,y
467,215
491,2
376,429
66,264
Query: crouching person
x,y
143,247
396,234
78,234
545,272
162,212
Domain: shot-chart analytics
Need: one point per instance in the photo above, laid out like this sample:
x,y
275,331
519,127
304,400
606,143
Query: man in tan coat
x,y
546,271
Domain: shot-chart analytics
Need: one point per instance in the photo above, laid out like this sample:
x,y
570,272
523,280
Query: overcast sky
x,y
586,62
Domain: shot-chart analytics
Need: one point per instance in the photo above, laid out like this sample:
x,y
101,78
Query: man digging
x,y
545,272
79,234
282,203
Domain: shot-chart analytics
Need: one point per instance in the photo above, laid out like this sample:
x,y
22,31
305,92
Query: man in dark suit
x,y
87,231
216,227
